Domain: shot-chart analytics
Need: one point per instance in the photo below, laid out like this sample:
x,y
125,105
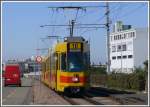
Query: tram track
x,y
89,99
99,97
92,101
77,101
104,97
82,100
123,97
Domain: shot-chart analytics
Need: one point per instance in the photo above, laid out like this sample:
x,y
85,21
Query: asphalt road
x,y
14,95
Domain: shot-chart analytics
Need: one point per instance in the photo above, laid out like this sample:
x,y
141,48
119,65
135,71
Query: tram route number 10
x,y
75,46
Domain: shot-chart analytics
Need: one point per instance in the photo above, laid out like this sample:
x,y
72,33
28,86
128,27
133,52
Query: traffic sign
x,y
39,59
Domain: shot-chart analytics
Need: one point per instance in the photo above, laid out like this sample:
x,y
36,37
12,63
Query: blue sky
x,y
21,22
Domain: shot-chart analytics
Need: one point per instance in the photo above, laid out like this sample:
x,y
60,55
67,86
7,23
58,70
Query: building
x,y
32,65
128,48
3,67
28,65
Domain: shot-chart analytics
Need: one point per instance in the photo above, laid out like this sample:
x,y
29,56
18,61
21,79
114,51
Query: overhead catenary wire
x,y
132,11
115,10
73,7
97,21
87,30
62,25
77,8
53,29
93,11
76,15
91,27
83,7
128,13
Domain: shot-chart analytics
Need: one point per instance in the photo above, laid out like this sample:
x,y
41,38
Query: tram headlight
x,y
75,79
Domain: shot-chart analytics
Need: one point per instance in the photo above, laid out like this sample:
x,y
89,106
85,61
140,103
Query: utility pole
x,y
108,38
121,56
72,27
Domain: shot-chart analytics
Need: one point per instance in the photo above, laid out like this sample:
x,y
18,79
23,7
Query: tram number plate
x,y
75,46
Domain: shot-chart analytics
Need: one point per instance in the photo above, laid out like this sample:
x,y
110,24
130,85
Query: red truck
x,y
12,75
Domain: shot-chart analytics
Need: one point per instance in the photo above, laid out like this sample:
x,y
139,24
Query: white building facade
x,y
128,49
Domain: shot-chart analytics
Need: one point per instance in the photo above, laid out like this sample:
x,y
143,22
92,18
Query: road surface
x,y
14,95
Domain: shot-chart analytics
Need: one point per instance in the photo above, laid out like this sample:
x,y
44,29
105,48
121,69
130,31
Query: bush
x,y
134,81
98,70
98,75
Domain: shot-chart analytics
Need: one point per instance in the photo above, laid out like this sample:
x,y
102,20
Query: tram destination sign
x,y
75,47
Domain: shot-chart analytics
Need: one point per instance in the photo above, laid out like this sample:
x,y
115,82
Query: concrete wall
x,y
140,46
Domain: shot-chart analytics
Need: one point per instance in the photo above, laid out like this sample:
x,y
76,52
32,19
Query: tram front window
x,y
75,61
63,62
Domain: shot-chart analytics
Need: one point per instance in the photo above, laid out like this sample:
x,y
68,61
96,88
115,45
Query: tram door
x,y
57,62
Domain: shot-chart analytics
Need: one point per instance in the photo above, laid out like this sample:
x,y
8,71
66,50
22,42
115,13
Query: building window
x,y
125,36
130,34
133,34
122,36
113,57
114,37
124,57
113,48
119,36
124,47
119,48
118,57
130,56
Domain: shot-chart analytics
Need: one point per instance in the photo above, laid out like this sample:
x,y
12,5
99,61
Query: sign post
x,y
38,60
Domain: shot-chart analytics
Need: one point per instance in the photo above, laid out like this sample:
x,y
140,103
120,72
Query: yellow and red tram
x,y
65,68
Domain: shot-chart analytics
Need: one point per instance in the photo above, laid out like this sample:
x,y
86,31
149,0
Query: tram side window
x,y
63,61
56,60
53,65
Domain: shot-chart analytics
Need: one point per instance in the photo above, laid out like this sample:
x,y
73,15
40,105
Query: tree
x,y
146,72
146,65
